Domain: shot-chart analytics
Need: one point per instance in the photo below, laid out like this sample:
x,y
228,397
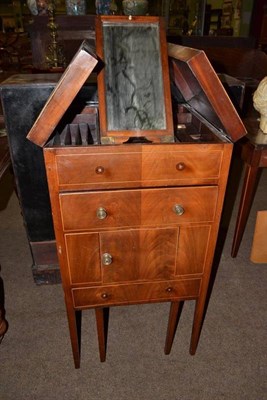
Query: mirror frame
x,y
121,135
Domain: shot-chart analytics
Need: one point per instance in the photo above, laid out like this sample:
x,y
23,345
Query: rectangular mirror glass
x,y
133,77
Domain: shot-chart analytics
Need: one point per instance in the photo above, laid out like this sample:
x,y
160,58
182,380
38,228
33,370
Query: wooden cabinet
x,y
142,235
136,221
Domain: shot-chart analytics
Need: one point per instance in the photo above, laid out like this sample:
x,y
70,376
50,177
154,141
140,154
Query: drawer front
x,y
136,255
121,256
136,169
139,254
146,207
135,293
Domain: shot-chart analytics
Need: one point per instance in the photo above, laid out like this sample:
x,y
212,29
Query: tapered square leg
x,y
197,324
75,320
174,316
248,192
102,316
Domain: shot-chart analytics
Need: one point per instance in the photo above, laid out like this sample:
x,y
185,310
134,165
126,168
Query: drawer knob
x,y
101,213
100,170
178,209
180,166
107,259
104,295
169,289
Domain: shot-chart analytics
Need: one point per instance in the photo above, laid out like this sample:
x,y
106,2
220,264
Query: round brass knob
x,y
100,170
180,166
178,209
107,259
104,295
101,213
169,289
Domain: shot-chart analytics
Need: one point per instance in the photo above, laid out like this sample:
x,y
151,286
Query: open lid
x,y
193,76
64,93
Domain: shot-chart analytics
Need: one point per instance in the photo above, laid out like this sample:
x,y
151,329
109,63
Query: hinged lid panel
x,y
64,93
193,76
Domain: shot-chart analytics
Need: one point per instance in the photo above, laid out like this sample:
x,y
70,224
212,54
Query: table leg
x,y
102,316
248,192
197,324
174,316
75,319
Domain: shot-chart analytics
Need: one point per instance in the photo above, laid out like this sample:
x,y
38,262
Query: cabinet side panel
x,y
52,179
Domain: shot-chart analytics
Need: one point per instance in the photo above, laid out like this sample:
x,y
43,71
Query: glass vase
x,y
76,7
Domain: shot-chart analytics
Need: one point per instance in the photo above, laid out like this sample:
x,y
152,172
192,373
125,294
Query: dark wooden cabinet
x,y
23,97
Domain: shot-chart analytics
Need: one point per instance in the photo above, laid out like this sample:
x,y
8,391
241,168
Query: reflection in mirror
x,y
133,77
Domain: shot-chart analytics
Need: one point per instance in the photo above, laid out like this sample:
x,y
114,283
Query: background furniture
x,y
15,53
23,97
72,30
254,157
5,163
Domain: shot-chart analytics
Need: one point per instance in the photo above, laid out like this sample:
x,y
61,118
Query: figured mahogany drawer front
x,y
145,207
149,254
135,169
135,293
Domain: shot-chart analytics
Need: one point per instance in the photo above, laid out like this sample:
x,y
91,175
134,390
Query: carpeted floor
x,y
35,356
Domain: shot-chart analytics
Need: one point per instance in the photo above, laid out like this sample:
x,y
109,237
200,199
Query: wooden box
x,y
136,221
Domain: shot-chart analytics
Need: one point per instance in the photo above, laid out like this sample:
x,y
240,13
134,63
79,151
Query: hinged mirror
x,y
133,86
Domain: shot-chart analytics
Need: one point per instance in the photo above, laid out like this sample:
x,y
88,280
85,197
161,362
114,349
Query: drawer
x,y
155,168
135,293
145,207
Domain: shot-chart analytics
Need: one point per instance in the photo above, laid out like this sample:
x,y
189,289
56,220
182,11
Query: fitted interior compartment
x,y
191,128
82,129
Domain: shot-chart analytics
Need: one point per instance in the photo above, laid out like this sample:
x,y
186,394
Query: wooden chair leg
x,y
102,316
174,316
75,321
